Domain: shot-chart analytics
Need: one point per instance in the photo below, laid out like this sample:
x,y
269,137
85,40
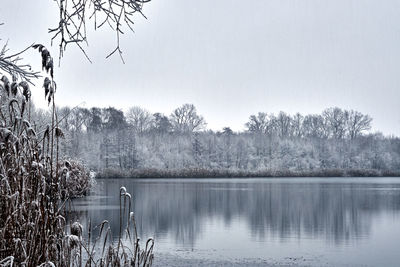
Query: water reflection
x,y
282,209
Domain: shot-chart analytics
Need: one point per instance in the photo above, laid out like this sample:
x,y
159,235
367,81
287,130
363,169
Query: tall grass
x,y
33,228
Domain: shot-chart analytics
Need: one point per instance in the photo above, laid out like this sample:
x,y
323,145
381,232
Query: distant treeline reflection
x,y
334,211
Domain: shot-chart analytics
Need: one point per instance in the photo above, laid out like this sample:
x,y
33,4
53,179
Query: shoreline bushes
x,y
76,180
228,173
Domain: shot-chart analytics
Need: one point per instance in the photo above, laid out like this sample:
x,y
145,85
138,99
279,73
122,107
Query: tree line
x,y
333,123
335,139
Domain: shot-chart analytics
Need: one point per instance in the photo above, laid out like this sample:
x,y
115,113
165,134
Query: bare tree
x,y
313,126
297,125
258,123
283,122
140,119
186,119
335,120
357,123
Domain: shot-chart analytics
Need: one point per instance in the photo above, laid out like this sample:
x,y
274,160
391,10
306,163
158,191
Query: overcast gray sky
x,y
231,58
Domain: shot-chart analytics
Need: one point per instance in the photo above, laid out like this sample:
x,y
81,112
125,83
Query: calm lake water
x,y
278,222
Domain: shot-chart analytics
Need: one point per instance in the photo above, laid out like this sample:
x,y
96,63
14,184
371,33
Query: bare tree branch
x,y
74,14
10,65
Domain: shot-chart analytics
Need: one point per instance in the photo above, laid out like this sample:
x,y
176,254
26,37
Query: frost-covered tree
x,y
357,123
335,121
283,124
227,131
161,123
297,125
314,126
139,119
95,121
258,123
300,143
113,119
185,119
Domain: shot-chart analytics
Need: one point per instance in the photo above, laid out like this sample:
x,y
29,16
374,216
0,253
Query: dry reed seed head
x,y
3,88
47,60
14,88
6,84
64,171
38,46
26,123
46,85
31,132
59,133
26,92
122,190
50,66
73,241
53,88
4,132
76,229
4,79
6,135
23,106
67,164
46,133
45,57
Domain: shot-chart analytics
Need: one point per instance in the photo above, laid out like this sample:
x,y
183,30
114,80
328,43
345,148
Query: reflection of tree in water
x,y
337,212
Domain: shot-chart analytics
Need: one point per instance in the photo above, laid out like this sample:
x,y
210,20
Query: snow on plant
x,y
33,229
75,179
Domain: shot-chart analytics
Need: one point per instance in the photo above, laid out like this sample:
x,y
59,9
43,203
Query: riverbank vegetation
x,y
228,173
37,184
138,143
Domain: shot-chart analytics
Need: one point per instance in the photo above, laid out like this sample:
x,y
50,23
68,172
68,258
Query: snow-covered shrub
x,y
75,179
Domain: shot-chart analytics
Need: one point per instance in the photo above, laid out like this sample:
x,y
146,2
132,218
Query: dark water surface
x,y
279,221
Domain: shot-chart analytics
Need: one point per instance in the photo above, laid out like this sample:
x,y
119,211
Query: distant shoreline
x,y
227,173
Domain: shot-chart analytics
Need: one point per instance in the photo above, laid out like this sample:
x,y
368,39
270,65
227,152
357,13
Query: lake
x,y
260,221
